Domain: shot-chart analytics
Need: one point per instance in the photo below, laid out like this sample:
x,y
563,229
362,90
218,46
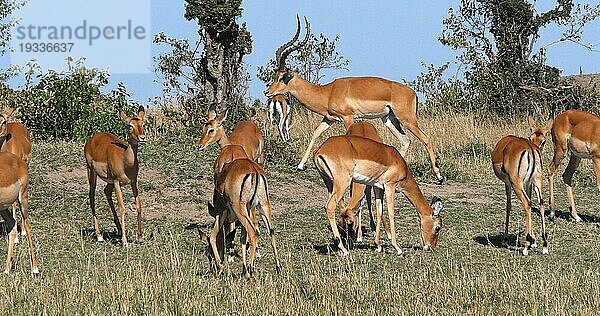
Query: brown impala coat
x,y
245,134
241,189
577,132
342,159
518,163
14,181
116,162
358,190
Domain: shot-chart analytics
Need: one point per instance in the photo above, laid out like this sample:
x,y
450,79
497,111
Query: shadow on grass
x,y
566,215
113,237
495,241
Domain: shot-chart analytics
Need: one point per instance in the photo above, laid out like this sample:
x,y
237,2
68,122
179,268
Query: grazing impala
x,y
358,190
345,99
14,180
245,134
579,133
518,163
116,162
15,139
342,159
280,113
241,190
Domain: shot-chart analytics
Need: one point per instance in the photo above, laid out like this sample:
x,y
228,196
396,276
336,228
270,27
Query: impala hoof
x,y
359,239
35,271
343,253
577,219
300,167
16,240
399,252
533,245
545,251
525,252
100,238
378,249
441,180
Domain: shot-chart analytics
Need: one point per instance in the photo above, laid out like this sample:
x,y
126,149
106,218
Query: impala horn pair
x,y
282,52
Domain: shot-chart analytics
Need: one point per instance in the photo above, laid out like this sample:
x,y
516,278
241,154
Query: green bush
x,y
70,106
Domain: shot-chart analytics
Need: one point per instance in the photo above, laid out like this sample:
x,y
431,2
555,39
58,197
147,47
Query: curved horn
x,y
297,46
280,62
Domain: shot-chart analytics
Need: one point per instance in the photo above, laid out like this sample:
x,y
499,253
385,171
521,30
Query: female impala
x,y
14,181
518,163
578,132
241,189
245,134
15,139
116,162
358,190
345,99
280,113
342,159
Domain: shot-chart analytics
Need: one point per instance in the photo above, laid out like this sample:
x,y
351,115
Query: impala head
x,y
431,227
4,121
136,125
284,74
213,129
538,134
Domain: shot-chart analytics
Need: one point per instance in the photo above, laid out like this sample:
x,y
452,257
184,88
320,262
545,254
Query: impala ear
x,y
437,205
531,122
8,112
223,115
141,112
124,117
548,124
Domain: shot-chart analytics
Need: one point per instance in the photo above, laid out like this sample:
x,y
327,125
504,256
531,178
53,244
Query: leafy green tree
x,y
211,71
498,39
7,7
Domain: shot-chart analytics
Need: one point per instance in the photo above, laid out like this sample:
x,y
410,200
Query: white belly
x,y
366,180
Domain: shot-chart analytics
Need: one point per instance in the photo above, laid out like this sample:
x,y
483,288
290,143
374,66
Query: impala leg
x,y
394,126
14,212
389,198
508,191
92,178
215,241
138,206
11,228
559,154
418,132
325,124
266,212
379,211
596,162
538,192
251,233
348,218
244,243
568,180
27,225
108,191
334,197
122,213
529,237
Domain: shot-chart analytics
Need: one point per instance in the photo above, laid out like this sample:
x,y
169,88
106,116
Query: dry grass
x,y
469,273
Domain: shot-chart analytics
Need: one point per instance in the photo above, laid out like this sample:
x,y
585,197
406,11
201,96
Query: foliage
x,y
498,40
209,72
69,105
7,7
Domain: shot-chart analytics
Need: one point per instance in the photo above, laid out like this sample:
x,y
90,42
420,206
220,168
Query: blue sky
x,y
388,38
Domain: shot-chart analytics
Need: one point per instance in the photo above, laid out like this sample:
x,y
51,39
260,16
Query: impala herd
x,y
358,160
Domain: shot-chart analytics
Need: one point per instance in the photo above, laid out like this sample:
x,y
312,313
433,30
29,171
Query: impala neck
x,y
314,97
223,140
415,196
134,145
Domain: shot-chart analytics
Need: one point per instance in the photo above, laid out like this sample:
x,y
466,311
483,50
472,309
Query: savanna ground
x,y
469,273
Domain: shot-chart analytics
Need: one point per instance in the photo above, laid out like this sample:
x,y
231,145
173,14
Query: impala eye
x,y
211,131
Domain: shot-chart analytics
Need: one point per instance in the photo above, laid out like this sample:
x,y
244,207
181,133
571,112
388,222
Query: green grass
x,y
169,274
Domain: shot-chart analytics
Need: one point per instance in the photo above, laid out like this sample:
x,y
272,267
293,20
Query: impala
x,y
518,163
14,181
358,190
245,134
241,190
578,132
280,113
342,159
15,139
345,99
116,162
